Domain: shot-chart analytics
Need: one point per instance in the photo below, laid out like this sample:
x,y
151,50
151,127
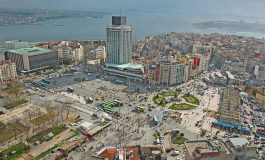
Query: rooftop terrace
x,y
30,51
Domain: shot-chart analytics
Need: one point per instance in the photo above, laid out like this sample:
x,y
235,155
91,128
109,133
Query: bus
x,y
117,81
70,90
155,121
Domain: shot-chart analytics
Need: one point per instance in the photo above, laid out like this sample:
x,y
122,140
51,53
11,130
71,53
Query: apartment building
x,y
8,71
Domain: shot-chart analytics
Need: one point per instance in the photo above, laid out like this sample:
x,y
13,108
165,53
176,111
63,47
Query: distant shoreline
x,y
233,26
28,17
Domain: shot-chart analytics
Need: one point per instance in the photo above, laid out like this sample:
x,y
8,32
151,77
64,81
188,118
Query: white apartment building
x,y
119,41
70,52
8,71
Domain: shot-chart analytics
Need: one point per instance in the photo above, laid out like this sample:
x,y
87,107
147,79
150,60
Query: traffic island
x,y
159,100
182,106
191,99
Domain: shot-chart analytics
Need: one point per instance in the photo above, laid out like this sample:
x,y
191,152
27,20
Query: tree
x,y
254,93
181,134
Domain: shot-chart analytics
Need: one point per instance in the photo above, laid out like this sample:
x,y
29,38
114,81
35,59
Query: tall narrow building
x,y
119,41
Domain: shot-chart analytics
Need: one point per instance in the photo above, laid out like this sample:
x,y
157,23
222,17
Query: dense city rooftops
x,y
5,62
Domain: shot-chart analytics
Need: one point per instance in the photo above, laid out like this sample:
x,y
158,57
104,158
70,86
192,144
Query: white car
x,y
175,153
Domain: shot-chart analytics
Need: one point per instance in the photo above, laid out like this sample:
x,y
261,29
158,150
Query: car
x,y
256,142
175,153
209,135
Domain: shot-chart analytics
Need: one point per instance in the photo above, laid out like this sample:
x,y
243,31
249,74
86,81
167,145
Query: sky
x,y
222,7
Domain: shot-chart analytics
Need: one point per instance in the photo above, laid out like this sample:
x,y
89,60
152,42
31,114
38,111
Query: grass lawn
x,y
58,129
9,131
11,90
19,150
178,139
181,106
43,118
38,137
102,124
167,94
41,136
15,104
191,99
159,101
43,154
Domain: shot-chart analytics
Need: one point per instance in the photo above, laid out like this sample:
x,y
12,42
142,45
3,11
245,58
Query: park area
x,y
14,152
15,104
11,130
43,118
178,138
160,98
191,99
43,135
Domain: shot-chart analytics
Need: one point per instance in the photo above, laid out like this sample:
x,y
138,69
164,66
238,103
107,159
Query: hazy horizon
x,y
221,7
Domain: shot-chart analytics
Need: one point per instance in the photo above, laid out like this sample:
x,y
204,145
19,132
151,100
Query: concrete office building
x,y
172,73
229,105
32,59
8,71
119,41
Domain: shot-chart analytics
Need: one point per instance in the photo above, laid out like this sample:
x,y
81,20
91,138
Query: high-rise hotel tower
x,y
119,41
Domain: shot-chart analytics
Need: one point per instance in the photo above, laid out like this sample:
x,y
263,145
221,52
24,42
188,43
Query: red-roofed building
x,y
133,153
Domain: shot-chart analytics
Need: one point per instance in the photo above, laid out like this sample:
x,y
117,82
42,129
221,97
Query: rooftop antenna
x,y
120,11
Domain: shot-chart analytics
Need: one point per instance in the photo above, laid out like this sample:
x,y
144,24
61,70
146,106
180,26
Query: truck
x,y
89,100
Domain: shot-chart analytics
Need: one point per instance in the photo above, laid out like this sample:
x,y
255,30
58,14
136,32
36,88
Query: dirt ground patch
x,y
11,90
11,130
43,118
